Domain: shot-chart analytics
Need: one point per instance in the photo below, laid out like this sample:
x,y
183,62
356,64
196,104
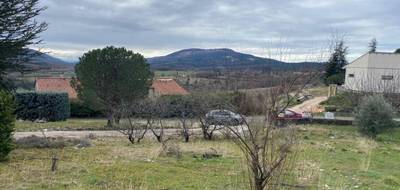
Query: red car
x,y
292,115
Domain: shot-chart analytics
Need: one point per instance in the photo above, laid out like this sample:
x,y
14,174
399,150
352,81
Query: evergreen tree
x,y
372,45
111,77
18,29
7,119
334,72
397,51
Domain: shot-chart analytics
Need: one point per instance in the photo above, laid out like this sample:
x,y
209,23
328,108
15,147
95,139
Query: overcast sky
x,y
259,27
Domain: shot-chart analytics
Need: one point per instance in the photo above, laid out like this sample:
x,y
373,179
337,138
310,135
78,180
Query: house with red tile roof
x,y
166,86
55,84
163,86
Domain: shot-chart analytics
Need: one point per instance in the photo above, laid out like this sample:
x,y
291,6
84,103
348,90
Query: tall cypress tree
x,y
334,72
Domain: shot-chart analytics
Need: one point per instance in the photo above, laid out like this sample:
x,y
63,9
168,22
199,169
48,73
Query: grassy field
x,y
330,157
70,124
318,91
77,124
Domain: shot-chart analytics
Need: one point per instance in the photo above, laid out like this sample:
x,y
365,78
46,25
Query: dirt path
x,y
311,105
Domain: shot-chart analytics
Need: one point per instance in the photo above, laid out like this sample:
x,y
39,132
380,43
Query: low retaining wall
x,y
327,121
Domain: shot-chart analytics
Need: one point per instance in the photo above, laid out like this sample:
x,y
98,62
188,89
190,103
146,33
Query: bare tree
x,y
203,103
182,107
133,126
158,110
267,147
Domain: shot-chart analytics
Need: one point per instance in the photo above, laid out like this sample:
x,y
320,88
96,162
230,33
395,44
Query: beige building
x,y
374,72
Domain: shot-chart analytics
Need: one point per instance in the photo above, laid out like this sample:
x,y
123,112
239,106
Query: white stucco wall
x,y
368,71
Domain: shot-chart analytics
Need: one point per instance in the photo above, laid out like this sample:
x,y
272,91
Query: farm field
x,y
329,157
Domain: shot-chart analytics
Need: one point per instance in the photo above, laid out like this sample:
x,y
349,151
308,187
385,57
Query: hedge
x,y
81,109
42,106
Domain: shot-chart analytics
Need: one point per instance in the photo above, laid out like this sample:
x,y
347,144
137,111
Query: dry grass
x,y
329,157
79,124
318,91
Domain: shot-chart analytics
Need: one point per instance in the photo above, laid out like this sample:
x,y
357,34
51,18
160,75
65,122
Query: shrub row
x,y
44,106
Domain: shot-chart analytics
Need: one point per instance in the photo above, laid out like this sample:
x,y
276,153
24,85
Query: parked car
x,y
302,98
292,115
224,117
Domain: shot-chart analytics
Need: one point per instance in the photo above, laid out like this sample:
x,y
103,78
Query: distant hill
x,y
42,61
206,59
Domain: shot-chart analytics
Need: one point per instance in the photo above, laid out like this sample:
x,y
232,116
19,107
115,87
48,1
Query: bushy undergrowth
x,y
374,116
343,102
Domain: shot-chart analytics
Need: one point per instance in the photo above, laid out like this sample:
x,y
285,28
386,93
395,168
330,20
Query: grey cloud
x,y
160,25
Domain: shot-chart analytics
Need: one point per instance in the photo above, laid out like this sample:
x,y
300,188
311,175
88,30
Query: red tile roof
x,y
167,87
56,84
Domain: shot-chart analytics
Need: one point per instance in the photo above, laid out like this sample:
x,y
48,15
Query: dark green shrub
x,y
330,108
7,119
81,109
374,115
335,79
44,106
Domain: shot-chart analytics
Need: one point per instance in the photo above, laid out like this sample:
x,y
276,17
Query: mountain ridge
x,y
223,58
37,60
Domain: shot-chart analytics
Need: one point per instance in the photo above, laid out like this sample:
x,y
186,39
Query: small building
x,y
166,86
374,72
56,84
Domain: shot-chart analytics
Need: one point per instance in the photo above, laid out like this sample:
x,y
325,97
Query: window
x,y
289,113
351,75
387,77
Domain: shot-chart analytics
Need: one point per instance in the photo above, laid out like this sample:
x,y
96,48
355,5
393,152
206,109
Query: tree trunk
x,y
207,135
258,184
186,135
186,138
131,139
110,120
159,138
109,124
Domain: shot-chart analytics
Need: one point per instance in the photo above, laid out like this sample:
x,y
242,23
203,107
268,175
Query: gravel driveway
x,y
311,105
